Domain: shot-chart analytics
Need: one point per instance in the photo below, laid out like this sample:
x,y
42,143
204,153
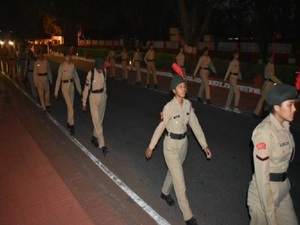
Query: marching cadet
x,y
28,73
175,118
95,90
180,60
67,76
234,74
12,59
269,200
42,77
270,81
22,58
136,64
205,65
3,55
124,57
149,60
111,58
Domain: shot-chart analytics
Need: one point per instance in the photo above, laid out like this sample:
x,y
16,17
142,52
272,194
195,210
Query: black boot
x,y
105,151
170,201
95,141
72,129
191,221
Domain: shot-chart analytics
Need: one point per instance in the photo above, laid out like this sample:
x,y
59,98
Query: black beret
x,y
280,93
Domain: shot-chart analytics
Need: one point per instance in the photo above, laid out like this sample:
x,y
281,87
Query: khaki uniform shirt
x,y
67,72
99,83
270,73
175,118
234,69
41,67
204,63
149,56
273,148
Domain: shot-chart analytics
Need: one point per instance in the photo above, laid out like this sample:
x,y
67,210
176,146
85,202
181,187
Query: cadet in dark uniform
x,y
28,73
42,77
269,199
67,76
95,90
175,118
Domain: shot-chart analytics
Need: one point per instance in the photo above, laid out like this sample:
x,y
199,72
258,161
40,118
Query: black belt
x,y
269,80
206,68
97,91
278,176
68,81
177,136
42,74
235,74
30,70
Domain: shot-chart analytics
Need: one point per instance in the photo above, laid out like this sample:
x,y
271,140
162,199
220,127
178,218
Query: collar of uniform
x,y
279,126
177,103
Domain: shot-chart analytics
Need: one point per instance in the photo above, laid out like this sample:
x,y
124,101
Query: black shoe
x,y
199,100
105,151
155,86
148,86
72,129
68,125
170,201
48,109
95,141
208,101
191,221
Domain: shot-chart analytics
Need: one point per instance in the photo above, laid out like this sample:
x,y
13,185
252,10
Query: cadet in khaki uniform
x,y
270,81
124,57
175,118
4,61
67,76
269,200
205,65
12,59
136,65
149,60
180,60
42,77
95,90
111,58
234,74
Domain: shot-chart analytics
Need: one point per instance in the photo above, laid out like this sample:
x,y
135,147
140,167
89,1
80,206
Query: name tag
x,y
284,144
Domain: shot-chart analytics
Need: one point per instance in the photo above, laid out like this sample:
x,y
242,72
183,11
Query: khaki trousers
x,y
233,90
97,107
204,84
268,85
284,213
151,68
31,84
138,72
175,153
43,91
68,94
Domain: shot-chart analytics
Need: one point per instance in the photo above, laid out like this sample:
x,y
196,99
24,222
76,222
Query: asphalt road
x,y
216,188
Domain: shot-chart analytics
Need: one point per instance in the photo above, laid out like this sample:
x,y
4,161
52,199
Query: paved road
x,y
216,188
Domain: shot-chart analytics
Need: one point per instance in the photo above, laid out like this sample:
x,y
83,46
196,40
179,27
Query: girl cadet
x,y
234,74
269,198
175,118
